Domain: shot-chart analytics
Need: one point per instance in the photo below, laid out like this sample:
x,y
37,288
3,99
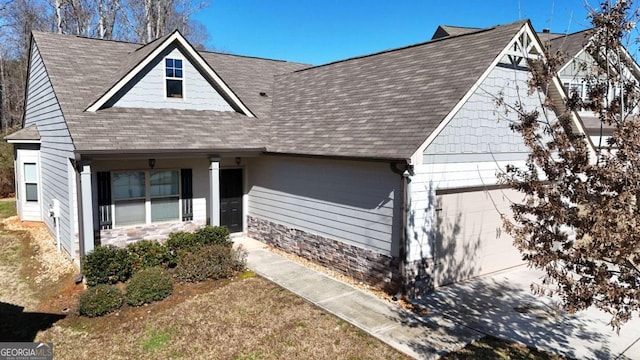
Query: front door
x,y
231,190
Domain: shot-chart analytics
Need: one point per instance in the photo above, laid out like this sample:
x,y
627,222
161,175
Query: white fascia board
x,y
416,158
23,141
193,54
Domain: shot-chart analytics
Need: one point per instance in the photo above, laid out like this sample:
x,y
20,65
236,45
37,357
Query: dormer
x,y
169,73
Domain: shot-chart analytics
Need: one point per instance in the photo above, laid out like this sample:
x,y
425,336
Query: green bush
x,y
99,300
148,285
210,262
183,241
180,240
146,254
213,235
107,265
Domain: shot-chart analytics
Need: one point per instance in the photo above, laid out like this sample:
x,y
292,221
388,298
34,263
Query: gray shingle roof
x,y
383,105
29,133
448,30
569,44
86,67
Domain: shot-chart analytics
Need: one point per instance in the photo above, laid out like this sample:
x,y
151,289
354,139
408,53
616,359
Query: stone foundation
x,y
363,265
121,237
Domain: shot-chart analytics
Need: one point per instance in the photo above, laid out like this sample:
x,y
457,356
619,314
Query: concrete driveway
x,y
503,306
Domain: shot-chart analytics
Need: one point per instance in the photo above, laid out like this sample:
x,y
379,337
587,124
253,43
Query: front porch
x,y
125,199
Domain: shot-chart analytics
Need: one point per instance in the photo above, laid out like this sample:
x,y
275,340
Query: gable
x,y
148,88
525,45
480,131
134,65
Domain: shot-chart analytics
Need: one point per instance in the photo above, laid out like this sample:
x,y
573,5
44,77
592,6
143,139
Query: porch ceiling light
x,y
152,163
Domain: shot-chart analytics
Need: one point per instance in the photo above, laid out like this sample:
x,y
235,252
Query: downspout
x,y
405,177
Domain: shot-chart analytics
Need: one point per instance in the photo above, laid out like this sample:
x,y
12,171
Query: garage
x,y
469,238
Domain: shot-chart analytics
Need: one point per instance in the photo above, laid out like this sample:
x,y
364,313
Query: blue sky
x,y
321,31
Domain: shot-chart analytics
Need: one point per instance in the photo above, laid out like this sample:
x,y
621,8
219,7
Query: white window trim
x,y
165,78
147,199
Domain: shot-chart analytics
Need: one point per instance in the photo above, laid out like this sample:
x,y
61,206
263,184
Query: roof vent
x,y
546,31
262,93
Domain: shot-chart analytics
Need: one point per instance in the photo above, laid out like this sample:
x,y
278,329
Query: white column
x,y
87,207
214,191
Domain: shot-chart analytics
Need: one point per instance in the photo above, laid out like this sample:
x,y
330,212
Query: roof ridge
x,y
248,56
48,33
445,38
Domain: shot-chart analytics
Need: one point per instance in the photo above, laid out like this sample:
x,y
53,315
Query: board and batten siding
x,y
147,90
42,109
355,202
474,147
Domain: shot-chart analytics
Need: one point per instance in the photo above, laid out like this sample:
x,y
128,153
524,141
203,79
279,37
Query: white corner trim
x,y
193,54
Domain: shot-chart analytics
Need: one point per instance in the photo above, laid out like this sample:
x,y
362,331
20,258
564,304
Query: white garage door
x,y
470,239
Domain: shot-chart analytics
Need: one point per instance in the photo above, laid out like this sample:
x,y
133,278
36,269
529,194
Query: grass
x,y
7,208
490,348
249,318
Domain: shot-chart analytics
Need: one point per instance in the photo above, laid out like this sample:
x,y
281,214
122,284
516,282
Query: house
x,y
382,167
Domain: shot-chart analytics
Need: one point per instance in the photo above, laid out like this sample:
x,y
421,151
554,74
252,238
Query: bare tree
x,y
580,218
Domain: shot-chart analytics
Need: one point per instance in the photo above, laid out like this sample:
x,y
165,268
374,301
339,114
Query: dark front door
x,y
231,199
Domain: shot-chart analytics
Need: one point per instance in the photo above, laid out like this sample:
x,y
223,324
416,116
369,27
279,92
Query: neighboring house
x,y
381,166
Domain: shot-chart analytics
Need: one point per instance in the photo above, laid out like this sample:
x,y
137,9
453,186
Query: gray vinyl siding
x,y
480,131
148,90
43,110
357,203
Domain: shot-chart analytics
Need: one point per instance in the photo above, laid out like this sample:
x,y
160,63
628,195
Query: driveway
x,y
503,306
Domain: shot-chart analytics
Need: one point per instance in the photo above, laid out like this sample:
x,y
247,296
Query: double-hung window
x,y
31,182
142,197
173,77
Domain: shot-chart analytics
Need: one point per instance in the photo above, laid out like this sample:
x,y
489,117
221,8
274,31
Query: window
x,y
31,181
165,196
173,74
141,197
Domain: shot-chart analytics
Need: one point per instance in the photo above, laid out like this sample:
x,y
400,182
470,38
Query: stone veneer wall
x,y
123,236
360,264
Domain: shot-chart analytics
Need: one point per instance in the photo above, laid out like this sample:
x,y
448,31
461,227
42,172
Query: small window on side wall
x,y
173,77
31,181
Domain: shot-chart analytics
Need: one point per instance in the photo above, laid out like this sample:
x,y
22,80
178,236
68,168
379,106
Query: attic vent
x,y
262,93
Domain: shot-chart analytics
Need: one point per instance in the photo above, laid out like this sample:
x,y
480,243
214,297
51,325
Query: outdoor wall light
x,y
238,160
152,163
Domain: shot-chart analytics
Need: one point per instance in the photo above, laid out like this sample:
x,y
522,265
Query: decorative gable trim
x,y
192,54
525,44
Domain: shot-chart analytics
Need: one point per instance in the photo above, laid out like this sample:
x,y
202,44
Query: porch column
x,y
87,207
214,191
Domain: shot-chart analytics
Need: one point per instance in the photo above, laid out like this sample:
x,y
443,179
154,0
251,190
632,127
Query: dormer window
x,y
173,76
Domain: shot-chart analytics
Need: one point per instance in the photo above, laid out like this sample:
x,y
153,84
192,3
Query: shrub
x,y
146,254
183,241
210,262
107,265
99,300
148,285
213,235
180,240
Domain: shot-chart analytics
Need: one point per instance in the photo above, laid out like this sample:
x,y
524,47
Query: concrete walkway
x,y
500,305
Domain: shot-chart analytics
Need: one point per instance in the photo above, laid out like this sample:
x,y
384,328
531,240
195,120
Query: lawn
x,y
7,208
